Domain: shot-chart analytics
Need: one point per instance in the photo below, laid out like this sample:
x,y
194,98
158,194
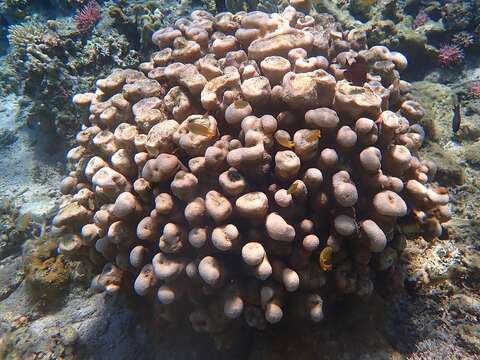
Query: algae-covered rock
x,y
472,263
470,129
239,5
464,302
450,170
361,8
252,5
15,227
47,274
470,336
472,154
438,101
414,43
388,23
11,275
53,343
428,262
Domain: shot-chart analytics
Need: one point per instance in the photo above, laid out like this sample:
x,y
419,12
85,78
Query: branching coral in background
x,y
450,54
102,49
463,39
458,14
137,21
23,35
87,17
52,62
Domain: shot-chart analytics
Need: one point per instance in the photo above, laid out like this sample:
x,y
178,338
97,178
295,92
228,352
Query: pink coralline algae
x,y
87,17
450,55
420,19
475,89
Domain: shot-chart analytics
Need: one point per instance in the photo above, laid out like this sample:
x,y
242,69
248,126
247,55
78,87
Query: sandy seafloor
x,y
439,320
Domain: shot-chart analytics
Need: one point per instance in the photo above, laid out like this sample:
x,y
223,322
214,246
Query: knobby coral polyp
x,y
238,174
88,16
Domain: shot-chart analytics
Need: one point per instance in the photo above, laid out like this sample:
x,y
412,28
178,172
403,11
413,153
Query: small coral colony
x,y
258,165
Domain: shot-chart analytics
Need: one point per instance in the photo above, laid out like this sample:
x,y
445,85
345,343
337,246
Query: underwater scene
x,y
239,179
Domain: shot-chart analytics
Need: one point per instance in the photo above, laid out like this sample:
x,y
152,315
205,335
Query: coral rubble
x,y
257,165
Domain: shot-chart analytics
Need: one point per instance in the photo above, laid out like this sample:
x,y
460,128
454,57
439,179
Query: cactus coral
x,y
256,165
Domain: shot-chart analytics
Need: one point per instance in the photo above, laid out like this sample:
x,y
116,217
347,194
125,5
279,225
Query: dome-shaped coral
x,y
241,170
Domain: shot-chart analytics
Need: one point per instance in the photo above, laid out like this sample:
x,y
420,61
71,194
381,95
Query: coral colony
x,y
420,19
450,54
87,17
258,165
463,39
